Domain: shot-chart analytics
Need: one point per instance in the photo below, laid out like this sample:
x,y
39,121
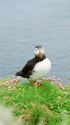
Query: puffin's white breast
x,y
41,69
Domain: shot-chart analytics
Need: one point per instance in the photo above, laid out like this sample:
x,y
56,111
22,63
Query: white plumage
x,y
41,69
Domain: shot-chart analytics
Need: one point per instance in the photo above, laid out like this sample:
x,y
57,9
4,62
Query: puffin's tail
x,y
18,73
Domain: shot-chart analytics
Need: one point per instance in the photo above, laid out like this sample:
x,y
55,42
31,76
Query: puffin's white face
x,y
39,51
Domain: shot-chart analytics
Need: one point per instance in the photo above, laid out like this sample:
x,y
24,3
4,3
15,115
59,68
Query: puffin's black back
x,y
28,68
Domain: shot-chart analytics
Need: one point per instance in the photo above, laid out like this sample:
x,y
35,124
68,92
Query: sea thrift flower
x,y
38,81
53,80
58,83
69,78
59,80
10,81
14,88
50,79
18,79
43,79
15,83
53,77
62,88
35,83
46,79
52,84
3,83
65,93
13,76
11,86
7,82
59,97
14,80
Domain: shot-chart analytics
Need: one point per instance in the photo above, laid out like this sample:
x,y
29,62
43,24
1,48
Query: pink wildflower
x,y
58,83
13,76
38,81
18,79
65,93
53,77
7,82
50,79
35,83
53,80
14,88
43,78
59,80
3,83
46,79
10,81
62,88
15,83
14,80
52,84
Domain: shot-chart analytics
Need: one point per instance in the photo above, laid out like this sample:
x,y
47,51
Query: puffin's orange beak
x,y
40,53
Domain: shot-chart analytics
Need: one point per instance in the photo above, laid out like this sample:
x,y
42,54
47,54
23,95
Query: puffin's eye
x,y
35,49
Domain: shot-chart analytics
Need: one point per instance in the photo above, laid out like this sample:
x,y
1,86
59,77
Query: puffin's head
x,y
39,51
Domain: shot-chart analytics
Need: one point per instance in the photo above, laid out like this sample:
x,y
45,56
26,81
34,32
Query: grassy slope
x,y
45,104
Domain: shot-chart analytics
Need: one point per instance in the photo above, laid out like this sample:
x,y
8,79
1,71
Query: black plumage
x,y
28,68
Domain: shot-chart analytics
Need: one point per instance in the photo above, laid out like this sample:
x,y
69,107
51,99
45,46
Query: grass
x,y
47,104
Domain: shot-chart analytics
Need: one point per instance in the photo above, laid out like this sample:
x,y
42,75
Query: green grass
x,y
37,105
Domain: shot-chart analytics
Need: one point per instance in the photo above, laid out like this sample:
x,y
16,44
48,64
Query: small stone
x,y
45,123
19,89
10,89
23,89
30,88
69,78
52,91
1,78
59,97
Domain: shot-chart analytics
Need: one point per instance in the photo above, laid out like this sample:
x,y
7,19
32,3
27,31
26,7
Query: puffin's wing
x,y
27,69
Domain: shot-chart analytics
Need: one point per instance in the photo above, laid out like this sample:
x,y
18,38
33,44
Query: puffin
x,y
36,68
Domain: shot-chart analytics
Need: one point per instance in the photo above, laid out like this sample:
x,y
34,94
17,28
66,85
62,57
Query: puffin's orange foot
x,y
36,84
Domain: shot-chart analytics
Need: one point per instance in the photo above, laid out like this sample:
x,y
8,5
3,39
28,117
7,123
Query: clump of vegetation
x,y
48,104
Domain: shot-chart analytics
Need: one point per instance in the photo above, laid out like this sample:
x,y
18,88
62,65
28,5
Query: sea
x,y
25,24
